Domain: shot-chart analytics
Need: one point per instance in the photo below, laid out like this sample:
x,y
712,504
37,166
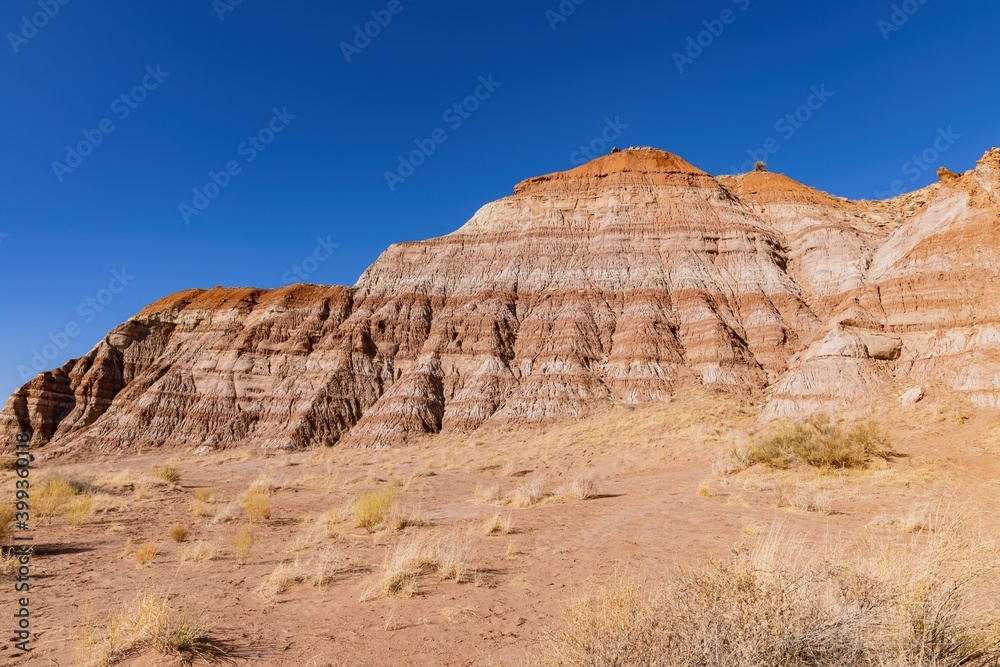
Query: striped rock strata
x,y
618,281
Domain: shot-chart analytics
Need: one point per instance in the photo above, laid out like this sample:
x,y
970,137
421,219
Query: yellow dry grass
x,y
919,604
150,624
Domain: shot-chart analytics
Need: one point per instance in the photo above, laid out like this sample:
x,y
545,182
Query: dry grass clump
x,y
179,532
203,495
78,509
446,555
801,497
264,485
150,624
244,542
373,509
6,523
257,506
489,494
919,605
9,562
318,571
53,495
145,553
498,524
227,513
168,474
821,442
201,552
581,487
529,493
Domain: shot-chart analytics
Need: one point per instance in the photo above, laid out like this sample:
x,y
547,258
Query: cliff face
x,y
617,281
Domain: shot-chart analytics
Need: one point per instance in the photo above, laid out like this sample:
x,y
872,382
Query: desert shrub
x,y
78,509
257,506
53,495
263,485
529,493
167,473
581,487
821,442
760,166
244,542
179,532
145,554
489,494
913,606
6,523
150,624
447,555
498,524
203,495
372,509
201,552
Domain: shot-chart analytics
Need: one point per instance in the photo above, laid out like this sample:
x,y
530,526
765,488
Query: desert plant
x,y
498,524
372,509
167,473
201,552
227,513
53,495
179,532
244,542
150,624
78,509
760,166
447,555
257,506
916,605
6,523
203,494
263,485
489,494
821,442
145,553
529,493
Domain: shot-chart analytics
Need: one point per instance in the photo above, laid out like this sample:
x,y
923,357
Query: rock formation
x,y
617,281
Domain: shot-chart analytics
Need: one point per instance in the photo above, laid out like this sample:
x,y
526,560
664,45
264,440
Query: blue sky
x,y
286,122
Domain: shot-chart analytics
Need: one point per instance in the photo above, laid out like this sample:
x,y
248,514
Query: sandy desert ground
x,y
509,529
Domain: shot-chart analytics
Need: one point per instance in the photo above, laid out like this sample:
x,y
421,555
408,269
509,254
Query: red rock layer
x,y
617,281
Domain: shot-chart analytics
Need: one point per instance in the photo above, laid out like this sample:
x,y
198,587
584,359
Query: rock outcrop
x,y
618,281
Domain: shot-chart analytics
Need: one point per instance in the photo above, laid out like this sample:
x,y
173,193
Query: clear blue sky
x,y
895,92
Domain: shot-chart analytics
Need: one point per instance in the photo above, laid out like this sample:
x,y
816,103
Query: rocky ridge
x,y
616,282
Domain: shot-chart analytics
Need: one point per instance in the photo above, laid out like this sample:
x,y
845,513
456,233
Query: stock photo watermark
x,y
454,116
787,126
21,550
363,35
562,13
922,162
248,150
31,24
599,145
701,42
223,7
900,16
122,107
299,273
87,311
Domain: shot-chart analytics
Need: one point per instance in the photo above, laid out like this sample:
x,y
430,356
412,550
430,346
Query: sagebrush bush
x,y
821,442
912,606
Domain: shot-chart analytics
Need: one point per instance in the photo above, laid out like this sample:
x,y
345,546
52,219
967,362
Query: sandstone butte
x,y
619,281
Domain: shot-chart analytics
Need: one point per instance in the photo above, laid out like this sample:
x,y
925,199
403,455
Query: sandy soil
x,y
647,518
